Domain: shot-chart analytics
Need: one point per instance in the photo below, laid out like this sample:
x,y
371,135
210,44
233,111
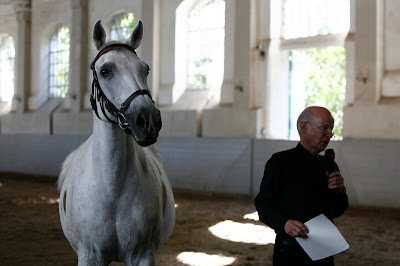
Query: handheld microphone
x,y
330,160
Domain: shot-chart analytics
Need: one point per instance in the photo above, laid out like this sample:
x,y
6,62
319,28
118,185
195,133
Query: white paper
x,y
324,239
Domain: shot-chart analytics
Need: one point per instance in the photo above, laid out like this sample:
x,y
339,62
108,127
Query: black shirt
x,y
295,186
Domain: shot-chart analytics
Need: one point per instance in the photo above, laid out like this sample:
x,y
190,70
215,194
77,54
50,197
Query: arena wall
x,y
232,166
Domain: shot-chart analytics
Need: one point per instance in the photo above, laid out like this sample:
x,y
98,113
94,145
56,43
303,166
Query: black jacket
x,y
295,186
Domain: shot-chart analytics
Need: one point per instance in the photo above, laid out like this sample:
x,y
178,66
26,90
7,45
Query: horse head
x,y
120,87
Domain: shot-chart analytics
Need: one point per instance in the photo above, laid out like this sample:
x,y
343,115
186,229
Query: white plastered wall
x,y
46,19
373,106
371,51
8,21
180,108
391,21
219,112
275,98
33,108
235,116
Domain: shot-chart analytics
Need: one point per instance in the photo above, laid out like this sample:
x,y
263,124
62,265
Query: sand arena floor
x,y
209,230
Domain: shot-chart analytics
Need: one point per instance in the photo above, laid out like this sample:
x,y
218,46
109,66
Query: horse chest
x,y
124,216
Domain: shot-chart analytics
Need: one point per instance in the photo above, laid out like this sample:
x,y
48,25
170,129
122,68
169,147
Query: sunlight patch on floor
x,y
204,259
252,216
243,232
34,200
50,200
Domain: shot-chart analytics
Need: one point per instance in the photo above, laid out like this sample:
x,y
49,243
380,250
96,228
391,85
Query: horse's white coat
x,y
116,203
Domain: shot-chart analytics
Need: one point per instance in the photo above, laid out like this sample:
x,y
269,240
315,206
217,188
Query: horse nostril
x,y
140,121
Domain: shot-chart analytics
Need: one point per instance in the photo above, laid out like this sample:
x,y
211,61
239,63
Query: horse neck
x,y
112,148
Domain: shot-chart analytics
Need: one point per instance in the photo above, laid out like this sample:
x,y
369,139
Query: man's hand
x,y
296,228
335,180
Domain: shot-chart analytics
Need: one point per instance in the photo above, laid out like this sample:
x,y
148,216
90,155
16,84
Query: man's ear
x,y
303,128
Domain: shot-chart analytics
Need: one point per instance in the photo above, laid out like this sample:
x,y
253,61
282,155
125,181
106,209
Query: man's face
x,y
318,131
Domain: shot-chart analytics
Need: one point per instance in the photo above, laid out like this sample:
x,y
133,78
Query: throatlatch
x,y
98,94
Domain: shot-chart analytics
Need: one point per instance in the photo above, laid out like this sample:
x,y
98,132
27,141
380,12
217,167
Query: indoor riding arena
x,y
209,230
116,115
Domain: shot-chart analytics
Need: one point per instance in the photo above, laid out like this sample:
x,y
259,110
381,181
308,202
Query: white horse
x,y
116,203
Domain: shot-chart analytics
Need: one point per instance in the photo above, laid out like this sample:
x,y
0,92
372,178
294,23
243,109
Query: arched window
x,y
121,26
59,63
7,56
314,32
206,35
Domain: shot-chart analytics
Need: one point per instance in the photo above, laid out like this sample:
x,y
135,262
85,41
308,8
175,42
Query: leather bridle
x,y
99,96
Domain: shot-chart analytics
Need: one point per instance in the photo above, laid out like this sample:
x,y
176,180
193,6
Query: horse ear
x,y
136,37
99,35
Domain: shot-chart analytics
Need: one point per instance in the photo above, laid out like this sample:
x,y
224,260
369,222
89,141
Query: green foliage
x,y
326,82
127,25
122,25
200,73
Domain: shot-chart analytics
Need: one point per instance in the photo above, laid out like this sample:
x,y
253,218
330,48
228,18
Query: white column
x,y
23,57
78,53
228,85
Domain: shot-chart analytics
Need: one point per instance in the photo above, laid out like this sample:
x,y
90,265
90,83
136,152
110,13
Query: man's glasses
x,y
325,130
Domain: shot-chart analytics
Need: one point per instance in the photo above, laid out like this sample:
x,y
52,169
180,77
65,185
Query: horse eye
x,y
105,72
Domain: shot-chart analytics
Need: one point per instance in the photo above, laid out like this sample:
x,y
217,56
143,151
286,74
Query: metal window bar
x,y
206,45
59,63
315,17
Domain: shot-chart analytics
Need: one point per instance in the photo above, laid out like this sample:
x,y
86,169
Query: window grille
x,y
316,67
122,26
7,58
59,63
206,36
317,76
305,18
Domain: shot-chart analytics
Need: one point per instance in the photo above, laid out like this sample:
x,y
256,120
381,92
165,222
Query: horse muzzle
x,y
145,126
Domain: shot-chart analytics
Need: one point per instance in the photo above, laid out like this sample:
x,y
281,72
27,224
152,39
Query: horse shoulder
x,y
75,160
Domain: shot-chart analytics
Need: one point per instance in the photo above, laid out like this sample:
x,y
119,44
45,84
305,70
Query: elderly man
x,y
297,187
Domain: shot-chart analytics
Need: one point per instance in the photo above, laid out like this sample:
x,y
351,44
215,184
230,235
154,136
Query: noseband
x,y
98,94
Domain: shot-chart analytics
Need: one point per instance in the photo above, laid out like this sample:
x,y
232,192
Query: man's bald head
x,y
309,113
315,125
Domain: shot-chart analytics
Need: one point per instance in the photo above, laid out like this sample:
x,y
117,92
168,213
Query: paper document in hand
x,y
324,239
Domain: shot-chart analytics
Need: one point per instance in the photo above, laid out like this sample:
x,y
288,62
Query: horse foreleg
x,y
147,260
91,258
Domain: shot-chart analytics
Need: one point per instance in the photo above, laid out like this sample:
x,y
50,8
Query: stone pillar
x,y
78,54
228,85
233,117
23,57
